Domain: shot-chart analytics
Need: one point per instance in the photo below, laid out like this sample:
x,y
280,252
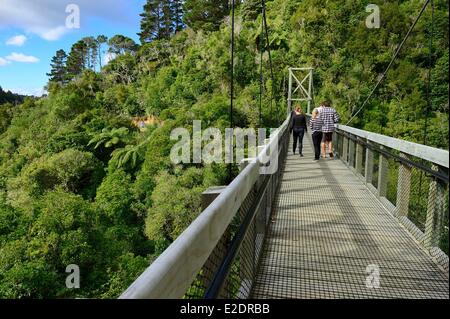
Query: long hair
x,y
298,108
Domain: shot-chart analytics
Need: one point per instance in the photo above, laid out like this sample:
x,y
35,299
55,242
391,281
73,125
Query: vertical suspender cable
x,y
232,65
430,63
230,177
270,55
261,75
428,94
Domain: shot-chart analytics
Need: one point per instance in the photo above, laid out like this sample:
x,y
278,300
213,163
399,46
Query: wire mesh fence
x,y
415,190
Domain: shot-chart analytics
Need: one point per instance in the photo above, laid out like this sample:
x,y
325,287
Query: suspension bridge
x,y
370,223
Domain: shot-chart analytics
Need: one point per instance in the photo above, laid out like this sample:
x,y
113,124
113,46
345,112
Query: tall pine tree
x,y
58,72
151,22
205,14
251,9
76,62
101,39
167,26
91,52
161,19
177,14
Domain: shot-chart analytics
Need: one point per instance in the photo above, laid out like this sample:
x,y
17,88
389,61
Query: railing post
x,y
359,158
403,189
336,140
345,149
310,89
383,170
211,263
289,107
351,153
435,213
210,195
368,174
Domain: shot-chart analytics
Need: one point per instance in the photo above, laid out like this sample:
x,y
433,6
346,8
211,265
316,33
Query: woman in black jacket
x,y
299,128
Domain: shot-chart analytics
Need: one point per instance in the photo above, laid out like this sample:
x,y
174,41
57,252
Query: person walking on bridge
x,y
298,126
316,124
329,118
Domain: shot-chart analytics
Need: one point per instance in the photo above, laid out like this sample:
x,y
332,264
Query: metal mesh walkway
x,y
330,236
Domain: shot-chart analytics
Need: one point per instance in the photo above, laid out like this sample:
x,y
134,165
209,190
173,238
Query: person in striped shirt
x,y
329,117
315,123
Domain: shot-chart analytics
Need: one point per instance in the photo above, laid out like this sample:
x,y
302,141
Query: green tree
x,y
161,19
120,44
76,61
176,202
71,170
114,198
110,138
101,40
129,156
10,97
6,114
251,9
205,14
176,7
152,21
91,52
58,72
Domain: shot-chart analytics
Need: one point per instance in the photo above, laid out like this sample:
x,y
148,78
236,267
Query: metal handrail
x,y
427,153
437,174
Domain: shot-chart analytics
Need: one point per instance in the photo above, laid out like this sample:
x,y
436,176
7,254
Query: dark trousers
x,y
317,140
299,133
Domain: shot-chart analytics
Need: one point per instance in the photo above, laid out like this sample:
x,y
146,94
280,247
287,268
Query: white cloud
x,y
18,40
27,91
53,34
4,62
47,18
20,57
108,57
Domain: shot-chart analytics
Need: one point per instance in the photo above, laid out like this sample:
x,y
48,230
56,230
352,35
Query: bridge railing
x,y
411,180
217,256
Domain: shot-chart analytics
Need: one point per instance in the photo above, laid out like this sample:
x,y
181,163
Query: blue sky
x,y
31,31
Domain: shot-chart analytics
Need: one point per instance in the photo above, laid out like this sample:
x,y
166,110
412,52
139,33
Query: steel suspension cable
x,y
429,94
261,75
270,54
230,177
430,63
391,62
232,64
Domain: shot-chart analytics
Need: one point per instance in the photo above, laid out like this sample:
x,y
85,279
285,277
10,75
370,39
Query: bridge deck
x,y
327,229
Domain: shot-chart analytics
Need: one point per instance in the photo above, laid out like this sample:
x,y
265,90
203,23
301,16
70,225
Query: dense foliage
x,y
81,184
